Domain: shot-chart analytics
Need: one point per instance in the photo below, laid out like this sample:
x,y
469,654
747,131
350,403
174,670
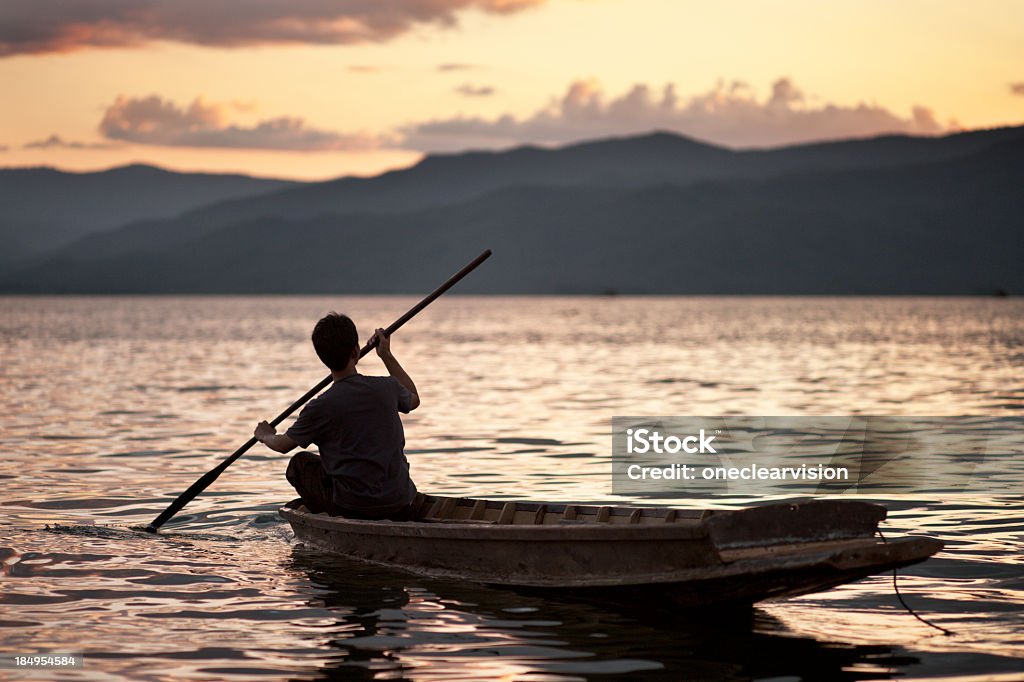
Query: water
x,y
112,406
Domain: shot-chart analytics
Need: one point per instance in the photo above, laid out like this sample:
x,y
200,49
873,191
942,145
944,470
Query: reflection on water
x,y
111,406
433,629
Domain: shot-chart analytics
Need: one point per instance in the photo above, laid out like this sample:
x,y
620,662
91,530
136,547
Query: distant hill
x,y
43,208
651,214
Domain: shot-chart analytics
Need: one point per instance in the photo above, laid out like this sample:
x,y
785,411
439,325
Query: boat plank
x,y
479,509
508,513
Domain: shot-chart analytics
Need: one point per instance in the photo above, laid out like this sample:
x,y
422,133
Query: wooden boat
x,y
684,557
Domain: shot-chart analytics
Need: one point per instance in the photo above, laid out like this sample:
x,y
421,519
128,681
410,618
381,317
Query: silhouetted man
x,y
361,471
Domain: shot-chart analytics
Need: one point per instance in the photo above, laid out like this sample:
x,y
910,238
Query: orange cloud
x,y
55,141
470,90
730,114
44,26
155,121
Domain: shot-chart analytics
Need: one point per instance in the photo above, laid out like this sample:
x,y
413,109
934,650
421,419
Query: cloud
x,y
364,68
455,66
475,90
55,141
155,121
729,113
44,26
1017,88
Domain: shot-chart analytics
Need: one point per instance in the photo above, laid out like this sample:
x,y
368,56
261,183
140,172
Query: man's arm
x,y
268,435
394,368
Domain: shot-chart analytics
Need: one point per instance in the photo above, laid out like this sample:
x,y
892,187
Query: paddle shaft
x,y
210,476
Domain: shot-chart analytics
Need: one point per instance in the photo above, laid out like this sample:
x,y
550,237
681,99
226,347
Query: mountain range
x,y
649,214
42,209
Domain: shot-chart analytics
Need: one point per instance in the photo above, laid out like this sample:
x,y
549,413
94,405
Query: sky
x,y
314,89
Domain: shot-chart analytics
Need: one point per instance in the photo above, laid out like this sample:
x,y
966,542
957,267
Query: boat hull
x,y
686,558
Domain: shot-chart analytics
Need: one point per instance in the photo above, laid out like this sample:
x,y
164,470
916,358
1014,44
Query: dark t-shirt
x,y
355,424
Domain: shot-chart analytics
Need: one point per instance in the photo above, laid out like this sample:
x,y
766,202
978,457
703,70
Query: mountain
x,y
449,179
43,208
946,221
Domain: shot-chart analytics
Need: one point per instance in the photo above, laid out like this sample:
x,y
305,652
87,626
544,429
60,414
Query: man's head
x,y
336,341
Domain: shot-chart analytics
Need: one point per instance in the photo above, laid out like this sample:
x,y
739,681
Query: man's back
x,y
361,470
356,426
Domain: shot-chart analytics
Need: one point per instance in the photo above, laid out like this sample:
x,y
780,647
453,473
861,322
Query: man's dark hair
x,y
334,339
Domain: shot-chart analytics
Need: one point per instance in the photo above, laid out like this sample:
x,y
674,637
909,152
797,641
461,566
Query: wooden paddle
x,y
209,477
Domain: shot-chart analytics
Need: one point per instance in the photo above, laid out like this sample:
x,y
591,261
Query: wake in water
x,y
116,531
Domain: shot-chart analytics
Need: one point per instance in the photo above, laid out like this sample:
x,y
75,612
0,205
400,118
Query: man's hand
x,y
383,343
394,368
267,434
264,431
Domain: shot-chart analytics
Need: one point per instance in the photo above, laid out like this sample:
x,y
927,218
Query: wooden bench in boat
x,y
434,509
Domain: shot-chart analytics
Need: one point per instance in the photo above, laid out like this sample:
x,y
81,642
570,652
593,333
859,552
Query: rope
x,y
912,612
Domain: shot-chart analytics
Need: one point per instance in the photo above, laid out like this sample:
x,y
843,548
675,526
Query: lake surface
x,y
112,406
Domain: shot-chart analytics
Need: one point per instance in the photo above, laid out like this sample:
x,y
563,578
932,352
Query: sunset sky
x,y
320,88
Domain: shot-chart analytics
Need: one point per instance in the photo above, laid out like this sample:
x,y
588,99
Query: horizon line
x,y
512,148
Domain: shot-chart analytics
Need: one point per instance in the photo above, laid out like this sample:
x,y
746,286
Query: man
x,y
361,471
